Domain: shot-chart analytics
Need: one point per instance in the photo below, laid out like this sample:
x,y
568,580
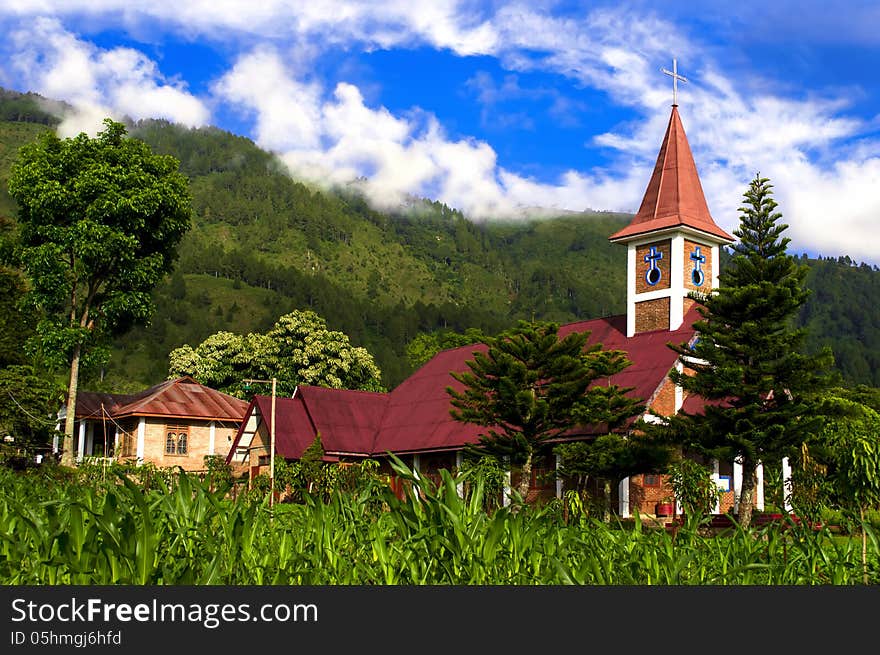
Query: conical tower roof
x,y
674,197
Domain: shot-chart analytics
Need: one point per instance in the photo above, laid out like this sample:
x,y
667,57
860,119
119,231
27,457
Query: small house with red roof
x,y
673,247
175,423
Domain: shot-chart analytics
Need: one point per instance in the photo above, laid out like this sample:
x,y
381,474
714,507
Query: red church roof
x,y
415,416
418,416
346,420
674,197
695,405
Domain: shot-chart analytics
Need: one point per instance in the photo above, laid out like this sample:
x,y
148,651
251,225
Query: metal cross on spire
x,y
675,78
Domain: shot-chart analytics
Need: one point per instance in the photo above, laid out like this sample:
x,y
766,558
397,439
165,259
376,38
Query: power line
x,y
42,420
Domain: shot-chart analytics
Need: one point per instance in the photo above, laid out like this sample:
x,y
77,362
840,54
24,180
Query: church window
x,y
697,274
653,274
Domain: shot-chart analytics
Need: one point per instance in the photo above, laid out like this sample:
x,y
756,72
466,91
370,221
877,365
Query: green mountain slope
x,y
263,244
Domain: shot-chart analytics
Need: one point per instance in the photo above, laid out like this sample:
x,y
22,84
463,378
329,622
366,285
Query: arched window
x,y
181,443
170,445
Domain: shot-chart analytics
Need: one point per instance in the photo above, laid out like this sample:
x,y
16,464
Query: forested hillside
x,y
263,244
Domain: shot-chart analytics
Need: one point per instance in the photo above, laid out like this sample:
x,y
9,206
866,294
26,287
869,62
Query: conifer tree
x,y
747,361
531,386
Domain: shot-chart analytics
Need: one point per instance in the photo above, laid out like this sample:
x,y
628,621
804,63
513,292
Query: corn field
x,y
183,532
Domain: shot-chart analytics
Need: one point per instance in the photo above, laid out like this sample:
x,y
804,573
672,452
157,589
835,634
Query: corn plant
x,y
179,530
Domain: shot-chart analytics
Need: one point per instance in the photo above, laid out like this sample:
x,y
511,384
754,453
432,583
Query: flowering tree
x,y
299,349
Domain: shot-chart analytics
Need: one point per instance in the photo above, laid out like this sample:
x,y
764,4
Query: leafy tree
x,y
100,220
307,352
531,386
427,344
224,360
15,326
29,401
694,487
299,349
312,461
848,447
610,458
747,359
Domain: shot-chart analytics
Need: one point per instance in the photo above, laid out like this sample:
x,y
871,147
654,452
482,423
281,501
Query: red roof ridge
x,y
300,387
149,394
139,404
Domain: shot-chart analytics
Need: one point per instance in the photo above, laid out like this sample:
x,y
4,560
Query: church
x,y
672,246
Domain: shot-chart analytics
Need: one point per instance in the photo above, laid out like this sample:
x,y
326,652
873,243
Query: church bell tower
x,y
672,242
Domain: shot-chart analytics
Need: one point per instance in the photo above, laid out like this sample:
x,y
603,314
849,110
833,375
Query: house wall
x,y
431,463
542,483
688,304
198,442
646,491
259,447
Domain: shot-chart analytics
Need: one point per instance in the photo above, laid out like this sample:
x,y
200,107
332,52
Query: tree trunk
x,y
67,455
525,476
607,489
864,545
747,494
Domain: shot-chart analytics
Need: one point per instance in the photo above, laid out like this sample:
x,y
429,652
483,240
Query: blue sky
x,y
496,108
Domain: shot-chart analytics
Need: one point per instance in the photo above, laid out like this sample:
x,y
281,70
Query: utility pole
x,y
274,382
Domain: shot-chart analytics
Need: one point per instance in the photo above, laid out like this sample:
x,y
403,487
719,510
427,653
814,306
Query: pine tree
x,y
747,360
531,387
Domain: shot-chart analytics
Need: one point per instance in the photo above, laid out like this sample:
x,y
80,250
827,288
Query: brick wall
x,y
663,247
652,315
664,400
644,498
198,443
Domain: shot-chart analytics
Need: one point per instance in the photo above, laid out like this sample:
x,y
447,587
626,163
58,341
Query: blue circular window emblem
x,y
653,274
697,275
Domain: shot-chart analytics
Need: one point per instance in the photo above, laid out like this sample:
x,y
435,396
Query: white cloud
x,y
335,138
375,23
807,145
98,83
287,110
341,139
